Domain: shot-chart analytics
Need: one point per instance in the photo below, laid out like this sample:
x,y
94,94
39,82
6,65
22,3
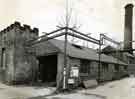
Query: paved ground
x,y
121,89
23,92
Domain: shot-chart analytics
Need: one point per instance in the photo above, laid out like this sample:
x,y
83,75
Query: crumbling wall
x,y
7,37
20,58
25,57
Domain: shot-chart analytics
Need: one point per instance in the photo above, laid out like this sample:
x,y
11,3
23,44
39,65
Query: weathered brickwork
x,y
17,55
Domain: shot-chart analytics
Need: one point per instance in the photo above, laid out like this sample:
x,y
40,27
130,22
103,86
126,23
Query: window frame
x,y
85,66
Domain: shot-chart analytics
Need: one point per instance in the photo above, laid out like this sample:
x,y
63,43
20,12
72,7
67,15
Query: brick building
x,y
44,61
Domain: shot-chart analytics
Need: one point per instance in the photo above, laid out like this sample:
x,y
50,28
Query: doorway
x,y
47,68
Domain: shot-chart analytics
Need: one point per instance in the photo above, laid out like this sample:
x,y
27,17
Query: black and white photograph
x,y
67,49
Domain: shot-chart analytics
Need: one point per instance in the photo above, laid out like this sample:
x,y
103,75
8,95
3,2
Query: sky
x,y
93,16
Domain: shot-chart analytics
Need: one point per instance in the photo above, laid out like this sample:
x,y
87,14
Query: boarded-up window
x,y
3,58
85,66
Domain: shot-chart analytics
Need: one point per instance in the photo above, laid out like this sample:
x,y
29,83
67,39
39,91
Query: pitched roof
x,y
84,53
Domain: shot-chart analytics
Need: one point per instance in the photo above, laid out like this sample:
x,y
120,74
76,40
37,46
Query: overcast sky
x,y
94,16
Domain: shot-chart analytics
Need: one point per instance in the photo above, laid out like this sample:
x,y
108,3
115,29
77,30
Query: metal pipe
x,y
83,38
62,28
114,51
47,34
47,38
99,62
100,44
83,34
109,39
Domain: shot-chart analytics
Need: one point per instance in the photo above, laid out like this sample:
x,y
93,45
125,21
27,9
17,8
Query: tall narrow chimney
x,y
128,27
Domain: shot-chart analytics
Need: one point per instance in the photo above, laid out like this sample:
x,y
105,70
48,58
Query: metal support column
x,y
99,66
65,61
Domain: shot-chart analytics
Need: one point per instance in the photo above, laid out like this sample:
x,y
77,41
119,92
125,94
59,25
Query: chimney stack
x,y
128,27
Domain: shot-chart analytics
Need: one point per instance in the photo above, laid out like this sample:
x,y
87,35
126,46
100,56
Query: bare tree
x,y
67,20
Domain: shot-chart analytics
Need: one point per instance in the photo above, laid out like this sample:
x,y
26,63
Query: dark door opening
x,y
48,68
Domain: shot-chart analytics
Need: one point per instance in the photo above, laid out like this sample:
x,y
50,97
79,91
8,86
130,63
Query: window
x,y
3,58
130,61
116,67
105,66
85,66
125,67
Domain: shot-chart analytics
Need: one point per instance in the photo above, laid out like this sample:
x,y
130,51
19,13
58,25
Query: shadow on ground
x,y
44,97
95,96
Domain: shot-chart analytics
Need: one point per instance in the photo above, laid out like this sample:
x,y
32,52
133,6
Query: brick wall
x,y
19,62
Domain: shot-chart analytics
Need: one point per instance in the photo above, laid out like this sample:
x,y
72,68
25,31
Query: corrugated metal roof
x,y
84,53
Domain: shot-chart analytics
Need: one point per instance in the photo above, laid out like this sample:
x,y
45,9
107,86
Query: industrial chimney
x,y
128,27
